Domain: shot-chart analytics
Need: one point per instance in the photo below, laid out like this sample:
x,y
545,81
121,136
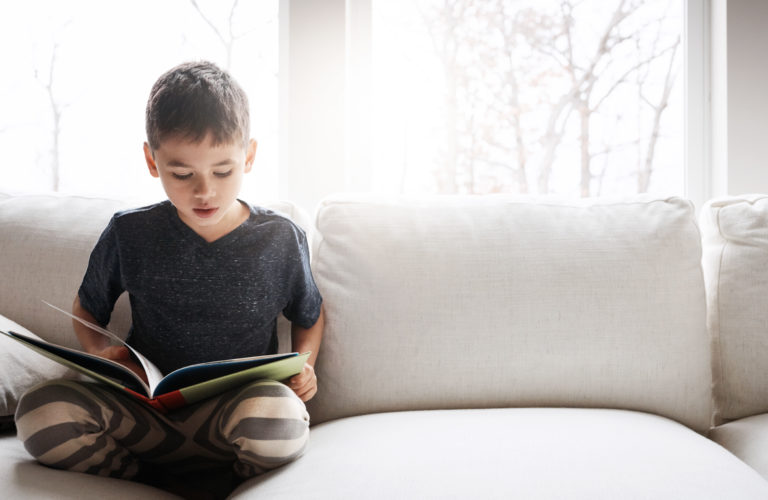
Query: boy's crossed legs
x,y
87,427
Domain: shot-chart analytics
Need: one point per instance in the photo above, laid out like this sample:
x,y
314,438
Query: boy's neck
x,y
235,216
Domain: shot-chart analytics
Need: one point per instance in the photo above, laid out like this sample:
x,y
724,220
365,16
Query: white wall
x,y
739,96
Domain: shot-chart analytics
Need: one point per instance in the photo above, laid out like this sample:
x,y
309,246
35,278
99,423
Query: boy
x,y
207,276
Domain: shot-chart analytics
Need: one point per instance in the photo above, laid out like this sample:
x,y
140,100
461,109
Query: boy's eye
x,y
223,174
182,176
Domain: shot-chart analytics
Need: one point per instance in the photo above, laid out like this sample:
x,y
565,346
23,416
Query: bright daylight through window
x,y
575,98
76,81
565,97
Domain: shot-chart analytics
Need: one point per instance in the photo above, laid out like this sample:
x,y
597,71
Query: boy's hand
x,y
305,383
122,355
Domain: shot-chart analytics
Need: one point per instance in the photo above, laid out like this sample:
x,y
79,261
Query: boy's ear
x,y
150,161
250,154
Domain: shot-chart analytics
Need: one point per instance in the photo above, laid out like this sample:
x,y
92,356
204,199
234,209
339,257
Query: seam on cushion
x,y
311,232
319,238
712,408
733,200
718,392
511,200
734,237
59,196
317,246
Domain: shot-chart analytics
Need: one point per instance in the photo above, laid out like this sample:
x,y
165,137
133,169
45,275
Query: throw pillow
x,y
21,368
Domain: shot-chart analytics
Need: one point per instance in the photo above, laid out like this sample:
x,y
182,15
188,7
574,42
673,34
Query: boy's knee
x,y
66,425
56,401
264,399
54,412
268,425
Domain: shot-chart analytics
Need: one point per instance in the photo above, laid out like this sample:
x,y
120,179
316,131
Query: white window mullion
x,y
698,137
312,98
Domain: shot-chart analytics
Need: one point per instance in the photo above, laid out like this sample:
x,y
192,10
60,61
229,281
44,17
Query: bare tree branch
x,y
644,176
57,109
490,77
209,22
231,21
577,98
623,78
515,118
227,42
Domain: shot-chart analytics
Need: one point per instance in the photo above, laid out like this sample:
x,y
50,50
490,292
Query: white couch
x,y
478,347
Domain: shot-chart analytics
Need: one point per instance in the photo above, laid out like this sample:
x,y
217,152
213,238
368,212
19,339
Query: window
x,y
575,98
442,96
76,83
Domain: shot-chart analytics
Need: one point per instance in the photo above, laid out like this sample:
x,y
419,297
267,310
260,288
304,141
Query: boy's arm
x,y
98,344
303,340
91,341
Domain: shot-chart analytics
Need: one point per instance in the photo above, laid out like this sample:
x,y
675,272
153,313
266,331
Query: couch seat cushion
x,y
747,439
22,477
510,453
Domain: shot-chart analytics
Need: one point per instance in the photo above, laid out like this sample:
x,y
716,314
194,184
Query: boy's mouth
x,y
204,212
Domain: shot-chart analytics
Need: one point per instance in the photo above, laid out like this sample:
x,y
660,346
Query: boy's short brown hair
x,y
196,98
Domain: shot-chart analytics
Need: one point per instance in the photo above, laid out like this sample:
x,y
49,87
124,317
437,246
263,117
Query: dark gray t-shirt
x,y
194,301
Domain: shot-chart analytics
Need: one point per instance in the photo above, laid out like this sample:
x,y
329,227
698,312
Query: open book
x,y
179,388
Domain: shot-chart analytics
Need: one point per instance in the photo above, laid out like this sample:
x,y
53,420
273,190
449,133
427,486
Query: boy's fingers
x,y
121,352
304,385
303,377
307,393
300,391
299,381
115,352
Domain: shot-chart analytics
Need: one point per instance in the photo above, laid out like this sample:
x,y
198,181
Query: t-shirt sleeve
x,y
305,301
102,283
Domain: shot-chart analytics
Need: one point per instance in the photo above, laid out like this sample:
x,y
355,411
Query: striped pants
x,y
88,427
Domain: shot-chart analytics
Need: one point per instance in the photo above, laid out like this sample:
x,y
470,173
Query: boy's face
x,y
203,181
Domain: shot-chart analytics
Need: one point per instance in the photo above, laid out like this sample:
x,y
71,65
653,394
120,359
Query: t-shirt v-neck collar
x,y
190,234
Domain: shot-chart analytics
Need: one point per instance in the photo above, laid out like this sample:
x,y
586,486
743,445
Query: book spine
x,y
170,401
163,403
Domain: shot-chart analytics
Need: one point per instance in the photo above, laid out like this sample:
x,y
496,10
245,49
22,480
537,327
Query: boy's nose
x,y
204,188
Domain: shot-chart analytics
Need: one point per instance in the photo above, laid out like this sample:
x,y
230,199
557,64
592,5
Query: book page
x,y
154,376
201,372
96,367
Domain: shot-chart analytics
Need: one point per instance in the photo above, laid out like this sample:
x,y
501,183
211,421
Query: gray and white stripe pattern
x,y
91,428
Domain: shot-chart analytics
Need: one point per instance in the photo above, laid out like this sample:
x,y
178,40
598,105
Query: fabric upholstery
x,y
45,242
506,302
529,453
735,262
746,438
21,368
22,477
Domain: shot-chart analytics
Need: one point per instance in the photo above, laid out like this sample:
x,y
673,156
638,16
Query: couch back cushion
x,y
502,302
45,243
735,235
